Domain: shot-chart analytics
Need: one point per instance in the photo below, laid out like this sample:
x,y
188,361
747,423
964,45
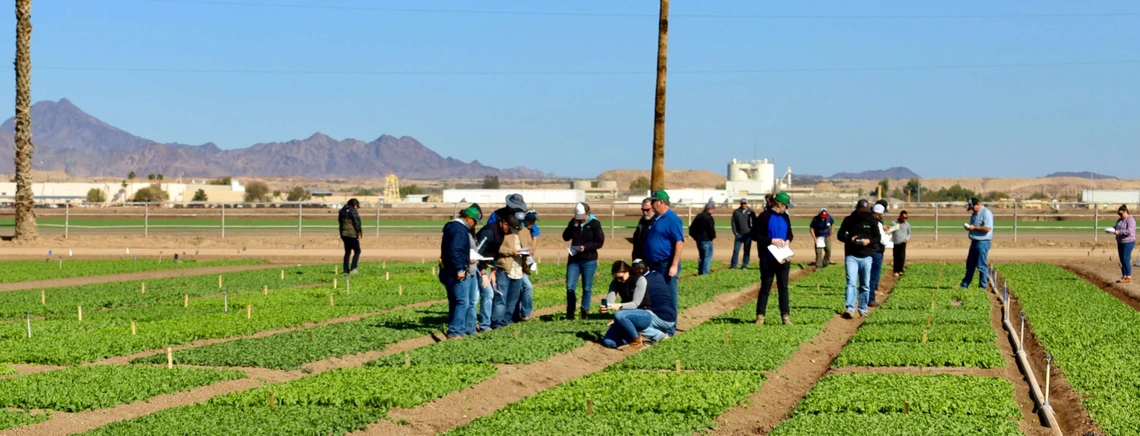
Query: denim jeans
x,y
586,271
979,252
705,251
486,300
746,241
473,284
1125,252
628,324
663,269
458,302
876,271
858,282
526,299
505,300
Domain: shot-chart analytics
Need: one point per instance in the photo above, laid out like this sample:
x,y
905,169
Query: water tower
x,y
756,177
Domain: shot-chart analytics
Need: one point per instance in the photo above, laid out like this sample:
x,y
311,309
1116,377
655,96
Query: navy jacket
x,y
455,249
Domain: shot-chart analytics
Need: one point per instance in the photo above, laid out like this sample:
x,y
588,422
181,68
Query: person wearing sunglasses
x,y
642,230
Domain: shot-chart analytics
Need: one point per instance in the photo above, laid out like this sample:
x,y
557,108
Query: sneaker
x,y
862,314
638,343
353,272
848,314
787,320
759,319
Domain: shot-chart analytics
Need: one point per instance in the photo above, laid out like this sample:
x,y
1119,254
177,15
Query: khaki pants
x,y
823,255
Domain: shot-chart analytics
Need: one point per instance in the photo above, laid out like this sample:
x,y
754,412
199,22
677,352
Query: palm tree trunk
x,y
657,178
25,216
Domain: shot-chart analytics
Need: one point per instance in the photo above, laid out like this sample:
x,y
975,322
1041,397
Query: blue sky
x,y
1009,121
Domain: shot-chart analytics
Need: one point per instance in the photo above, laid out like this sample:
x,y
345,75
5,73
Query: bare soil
x,y
1032,423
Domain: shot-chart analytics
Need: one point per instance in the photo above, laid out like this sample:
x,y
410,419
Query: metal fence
x,y
145,219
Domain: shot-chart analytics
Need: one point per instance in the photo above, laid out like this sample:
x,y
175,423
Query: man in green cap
x,y
664,241
458,273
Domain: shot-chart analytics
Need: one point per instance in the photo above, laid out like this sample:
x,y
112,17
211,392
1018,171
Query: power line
x,y
636,15
579,73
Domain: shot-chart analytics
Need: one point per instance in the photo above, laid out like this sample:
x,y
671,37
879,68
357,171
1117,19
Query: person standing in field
x,y
515,205
642,230
526,296
350,234
490,239
878,210
703,232
584,233
773,227
981,228
900,237
1125,230
458,273
510,265
665,242
741,232
860,235
820,227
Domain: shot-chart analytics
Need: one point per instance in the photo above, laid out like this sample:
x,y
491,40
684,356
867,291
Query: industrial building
x,y
755,178
497,196
117,193
1110,198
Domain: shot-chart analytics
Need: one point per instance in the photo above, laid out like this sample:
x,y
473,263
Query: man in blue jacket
x,y
458,274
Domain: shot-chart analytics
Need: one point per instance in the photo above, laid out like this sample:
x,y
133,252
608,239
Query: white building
x,y
498,196
750,178
1110,197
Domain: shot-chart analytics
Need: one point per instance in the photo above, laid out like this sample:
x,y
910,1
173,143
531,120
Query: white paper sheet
x,y
781,254
820,242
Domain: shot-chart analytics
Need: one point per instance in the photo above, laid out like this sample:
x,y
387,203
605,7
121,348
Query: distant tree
x,y
224,181
639,185
1039,196
884,186
411,190
200,195
276,194
96,195
722,186
298,194
861,192
159,177
364,192
124,183
912,188
150,176
131,176
150,194
256,192
996,196
491,182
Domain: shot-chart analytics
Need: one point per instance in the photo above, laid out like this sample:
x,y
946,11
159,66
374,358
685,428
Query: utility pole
x,y
657,177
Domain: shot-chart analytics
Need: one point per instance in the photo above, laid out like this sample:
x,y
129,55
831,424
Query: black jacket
x,y
639,236
491,238
349,222
588,235
760,229
703,228
859,227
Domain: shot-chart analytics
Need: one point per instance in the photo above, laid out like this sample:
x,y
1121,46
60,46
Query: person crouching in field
x,y
458,272
1125,231
350,233
645,318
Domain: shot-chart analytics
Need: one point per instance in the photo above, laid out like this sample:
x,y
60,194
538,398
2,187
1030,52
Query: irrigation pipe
x,y
1023,360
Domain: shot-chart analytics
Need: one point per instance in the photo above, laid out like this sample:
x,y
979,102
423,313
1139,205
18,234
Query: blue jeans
x,y
486,300
586,271
663,269
526,299
979,252
505,300
628,324
876,271
458,302
473,283
858,282
746,241
1125,252
705,251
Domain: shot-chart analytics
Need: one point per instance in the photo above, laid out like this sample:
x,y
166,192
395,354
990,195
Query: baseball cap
x,y
513,222
879,209
711,204
580,211
863,206
531,215
743,201
973,202
785,199
520,216
660,195
474,212
515,201
823,209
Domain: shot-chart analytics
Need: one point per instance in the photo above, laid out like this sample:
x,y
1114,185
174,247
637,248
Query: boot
x,y
638,343
759,319
584,314
787,320
570,313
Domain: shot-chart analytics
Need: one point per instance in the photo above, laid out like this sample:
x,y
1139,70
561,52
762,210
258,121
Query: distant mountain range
x,y
68,139
896,173
1082,175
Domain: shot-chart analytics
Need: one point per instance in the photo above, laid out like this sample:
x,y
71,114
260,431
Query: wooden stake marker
x,y
906,408
186,300
282,274
80,309
932,304
265,289
219,282
142,287
334,283
400,290
310,336
272,400
249,311
516,332
169,357
678,365
407,360
134,332
331,303
726,338
929,319
924,336
43,297
336,269
384,265
589,406
386,277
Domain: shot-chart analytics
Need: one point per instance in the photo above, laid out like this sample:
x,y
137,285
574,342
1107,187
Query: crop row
x,y
109,333
29,270
19,418
923,325
1092,336
901,404
344,400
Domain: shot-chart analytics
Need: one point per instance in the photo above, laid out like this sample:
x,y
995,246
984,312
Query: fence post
x,y
613,214
1015,221
223,221
66,219
300,218
690,214
936,221
377,219
146,220
1096,223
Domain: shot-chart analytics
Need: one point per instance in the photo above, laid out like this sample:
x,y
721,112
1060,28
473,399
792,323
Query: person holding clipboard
x,y
773,229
